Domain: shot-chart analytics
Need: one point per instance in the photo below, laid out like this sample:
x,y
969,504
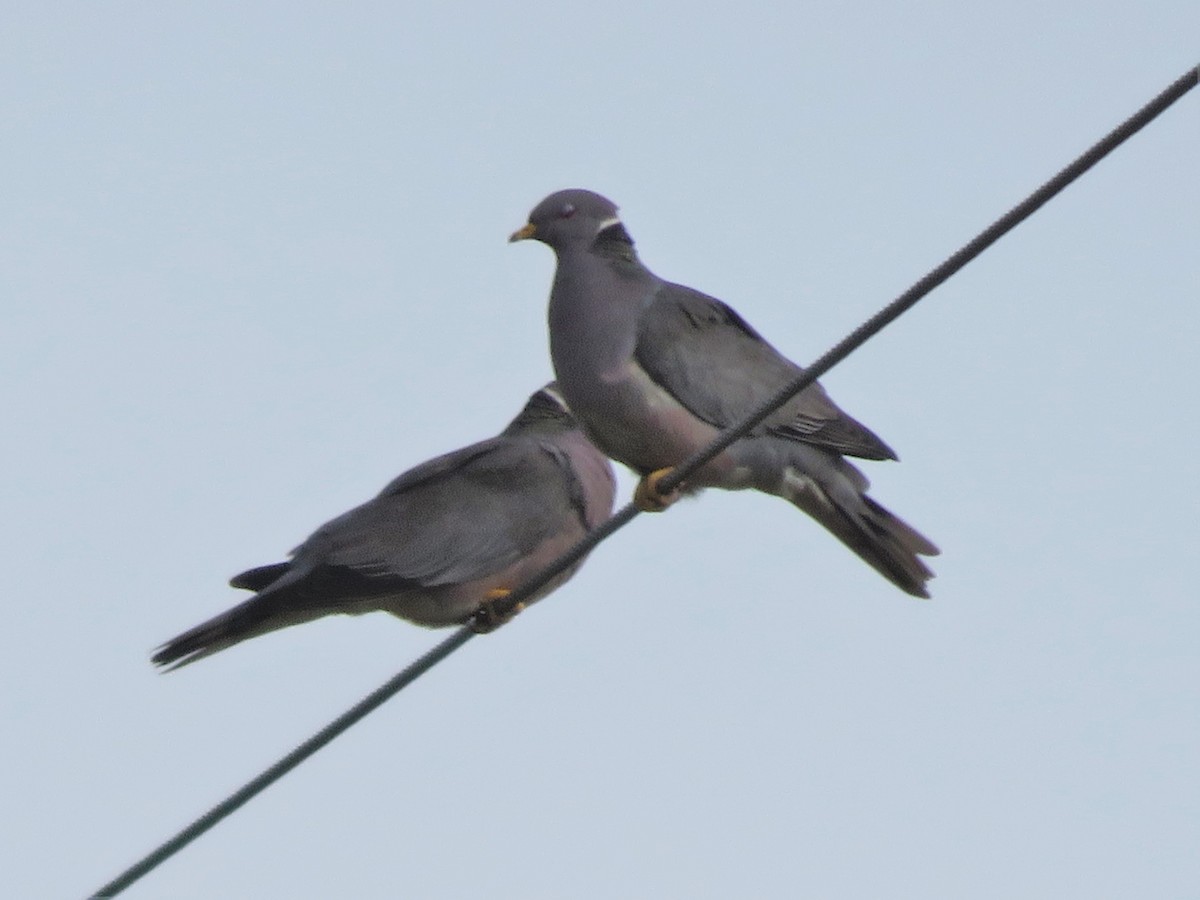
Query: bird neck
x,y
614,243
595,306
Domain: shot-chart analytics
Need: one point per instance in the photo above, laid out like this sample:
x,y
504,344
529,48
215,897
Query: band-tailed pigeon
x,y
654,370
439,543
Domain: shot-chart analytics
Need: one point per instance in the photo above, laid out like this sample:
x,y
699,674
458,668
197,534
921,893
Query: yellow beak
x,y
523,233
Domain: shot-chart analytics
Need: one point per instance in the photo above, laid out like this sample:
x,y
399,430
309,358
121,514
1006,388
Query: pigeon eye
x,y
567,211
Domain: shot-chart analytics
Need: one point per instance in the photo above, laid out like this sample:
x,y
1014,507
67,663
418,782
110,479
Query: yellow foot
x,y
487,618
648,498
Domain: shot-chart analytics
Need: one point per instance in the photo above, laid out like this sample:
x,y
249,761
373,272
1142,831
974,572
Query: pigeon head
x,y
546,412
572,218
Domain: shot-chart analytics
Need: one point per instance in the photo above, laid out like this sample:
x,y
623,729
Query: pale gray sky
x,y
254,265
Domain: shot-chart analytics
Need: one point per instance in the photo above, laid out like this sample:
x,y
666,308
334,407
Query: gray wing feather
x,y
710,360
451,520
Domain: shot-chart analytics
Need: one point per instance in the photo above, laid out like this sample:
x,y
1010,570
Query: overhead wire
x,y
505,606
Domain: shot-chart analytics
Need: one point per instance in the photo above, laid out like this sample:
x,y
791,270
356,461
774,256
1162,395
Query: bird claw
x,y
487,618
648,498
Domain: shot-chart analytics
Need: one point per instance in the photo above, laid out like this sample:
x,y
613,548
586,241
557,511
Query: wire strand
x,y
938,276
674,479
368,704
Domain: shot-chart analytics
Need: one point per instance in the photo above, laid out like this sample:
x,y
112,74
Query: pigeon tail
x,y
884,541
260,577
244,621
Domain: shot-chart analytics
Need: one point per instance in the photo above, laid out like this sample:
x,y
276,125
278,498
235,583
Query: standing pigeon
x,y
439,543
654,370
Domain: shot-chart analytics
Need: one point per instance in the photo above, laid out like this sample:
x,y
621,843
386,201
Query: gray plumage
x,y
435,542
654,370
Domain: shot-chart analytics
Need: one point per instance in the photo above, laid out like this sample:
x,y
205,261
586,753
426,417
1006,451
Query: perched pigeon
x,y
439,543
654,370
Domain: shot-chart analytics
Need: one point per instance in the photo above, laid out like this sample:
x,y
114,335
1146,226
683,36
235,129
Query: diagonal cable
x,y
674,479
909,298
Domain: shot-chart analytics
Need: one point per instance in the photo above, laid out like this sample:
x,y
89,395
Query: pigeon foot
x,y
486,618
648,498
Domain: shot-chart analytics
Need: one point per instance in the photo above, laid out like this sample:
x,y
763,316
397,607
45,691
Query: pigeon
x,y
654,371
440,543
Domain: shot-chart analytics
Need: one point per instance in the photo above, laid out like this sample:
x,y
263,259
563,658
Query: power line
x,y
522,593
254,787
968,252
